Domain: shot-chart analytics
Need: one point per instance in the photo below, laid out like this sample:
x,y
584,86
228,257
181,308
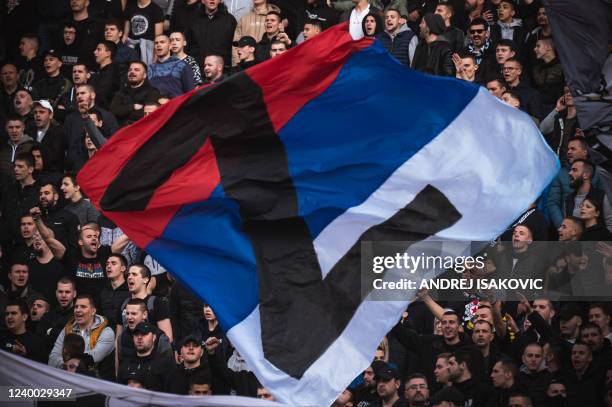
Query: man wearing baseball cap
x,y
246,53
54,84
50,135
153,366
387,386
183,374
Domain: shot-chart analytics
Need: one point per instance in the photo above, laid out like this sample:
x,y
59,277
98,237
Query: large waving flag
x,y
257,192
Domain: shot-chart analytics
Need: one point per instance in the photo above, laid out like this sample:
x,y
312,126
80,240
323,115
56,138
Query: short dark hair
x,y
121,258
26,157
87,297
463,357
74,344
144,65
581,141
23,306
138,301
115,22
72,176
53,186
514,95
145,272
590,325
588,164
69,24
601,305
507,43
110,47
31,36
512,3
276,13
509,365
468,55
478,21
14,117
515,60
202,377
315,22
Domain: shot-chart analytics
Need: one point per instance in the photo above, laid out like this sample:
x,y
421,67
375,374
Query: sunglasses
x,y
477,31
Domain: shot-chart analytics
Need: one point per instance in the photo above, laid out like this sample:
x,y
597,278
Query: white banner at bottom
x,y
17,372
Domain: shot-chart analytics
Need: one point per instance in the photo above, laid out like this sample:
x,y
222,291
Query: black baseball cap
x,y
245,41
386,372
144,328
192,338
53,53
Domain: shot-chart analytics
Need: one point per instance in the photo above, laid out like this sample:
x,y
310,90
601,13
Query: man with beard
x,y
387,386
365,394
183,374
87,263
581,180
600,346
49,135
460,374
53,220
54,321
213,69
155,366
433,55
128,104
416,391
136,312
480,46
561,188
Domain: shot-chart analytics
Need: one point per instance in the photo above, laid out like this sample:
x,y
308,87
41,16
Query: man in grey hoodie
x,y
98,336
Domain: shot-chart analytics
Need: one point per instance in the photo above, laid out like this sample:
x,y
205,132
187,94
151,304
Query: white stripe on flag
x,y
491,162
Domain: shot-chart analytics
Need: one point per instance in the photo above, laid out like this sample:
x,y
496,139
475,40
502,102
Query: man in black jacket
x,y
154,366
428,347
54,84
433,54
116,291
211,32
460,370
52,323
49,135
128,104
183,375
106,80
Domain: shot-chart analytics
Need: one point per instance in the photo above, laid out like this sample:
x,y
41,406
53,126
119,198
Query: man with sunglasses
x,y
480,46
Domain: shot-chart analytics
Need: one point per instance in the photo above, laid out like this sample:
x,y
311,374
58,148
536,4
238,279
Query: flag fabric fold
x,y
257,192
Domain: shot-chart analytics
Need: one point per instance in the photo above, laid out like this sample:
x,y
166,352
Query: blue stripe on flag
x,y
338,156
205,242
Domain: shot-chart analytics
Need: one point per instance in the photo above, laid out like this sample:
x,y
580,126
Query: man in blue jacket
x,y
170,75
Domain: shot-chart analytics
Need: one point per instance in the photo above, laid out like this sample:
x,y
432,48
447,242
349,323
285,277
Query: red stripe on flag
x,y
195,181
294,78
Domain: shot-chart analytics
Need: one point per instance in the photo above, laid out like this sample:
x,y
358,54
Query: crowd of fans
x,y
78,295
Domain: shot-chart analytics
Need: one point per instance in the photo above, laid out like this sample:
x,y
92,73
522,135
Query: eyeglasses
x,y
477,31
509,68
418,386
